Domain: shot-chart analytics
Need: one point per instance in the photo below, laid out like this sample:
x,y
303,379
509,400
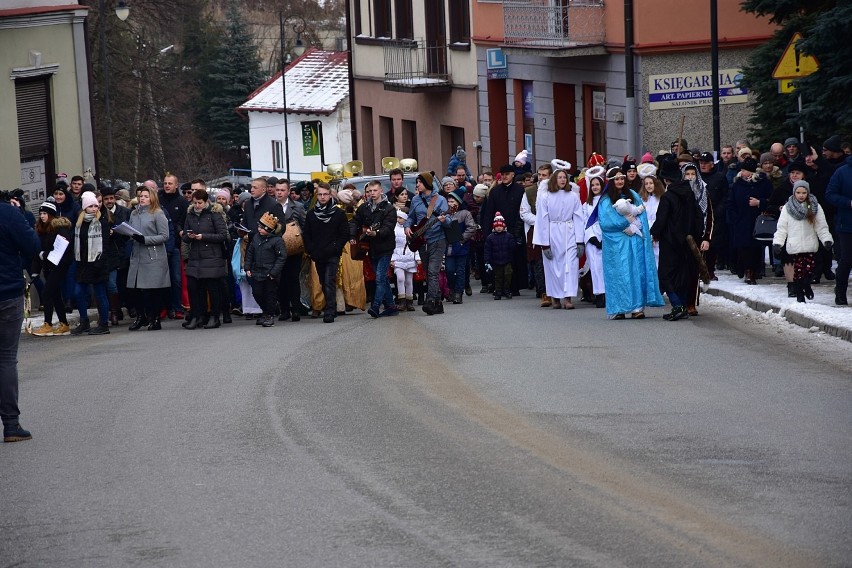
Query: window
x,y
459,15
382,18
386,141
451,138
404,19
277,156
409,139
356,11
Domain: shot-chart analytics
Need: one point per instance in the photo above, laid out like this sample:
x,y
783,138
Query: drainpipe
x,y
714,72
630,107
353,110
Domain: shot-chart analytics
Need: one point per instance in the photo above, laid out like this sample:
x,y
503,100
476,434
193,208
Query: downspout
x,y
353,109
714,72
630,104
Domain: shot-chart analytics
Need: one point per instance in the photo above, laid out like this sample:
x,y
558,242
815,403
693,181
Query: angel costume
x,y
559,224
594,255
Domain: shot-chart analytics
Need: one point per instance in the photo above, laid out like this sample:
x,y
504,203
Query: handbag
x,y
764,227
293,241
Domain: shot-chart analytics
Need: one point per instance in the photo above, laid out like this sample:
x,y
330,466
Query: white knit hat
x,y
88,198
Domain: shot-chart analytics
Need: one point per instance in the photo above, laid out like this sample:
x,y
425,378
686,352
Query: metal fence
x,y
415,63
553,23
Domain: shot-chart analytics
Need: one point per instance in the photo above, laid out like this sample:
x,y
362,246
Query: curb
x,y
794,318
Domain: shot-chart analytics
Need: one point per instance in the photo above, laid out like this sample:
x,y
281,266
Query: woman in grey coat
x,y
148,276
204,234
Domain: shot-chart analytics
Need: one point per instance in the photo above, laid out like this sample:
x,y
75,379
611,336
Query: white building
x,y
317,117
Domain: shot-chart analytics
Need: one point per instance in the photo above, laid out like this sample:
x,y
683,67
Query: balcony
x,y
415,66
554,25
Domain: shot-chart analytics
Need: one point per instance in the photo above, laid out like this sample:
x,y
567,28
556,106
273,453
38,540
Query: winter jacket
x,y
417,212
265,256
96,271
115,245
800,235
174,205
325,240
403,257
839,194
58,226
740,215
468,229
254,210
677,217
383,217
499,248
149,264
205,258
18,244
507,200
70,209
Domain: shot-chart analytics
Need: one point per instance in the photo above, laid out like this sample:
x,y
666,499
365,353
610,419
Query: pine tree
x,y
234,74
826,26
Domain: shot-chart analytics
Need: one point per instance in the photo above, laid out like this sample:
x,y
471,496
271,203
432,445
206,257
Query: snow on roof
x,y
317,82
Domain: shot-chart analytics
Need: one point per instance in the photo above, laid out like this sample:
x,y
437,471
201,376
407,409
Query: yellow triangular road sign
x,y
794,64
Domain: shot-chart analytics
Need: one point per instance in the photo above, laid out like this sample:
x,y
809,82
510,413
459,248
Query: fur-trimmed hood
x,y
211,205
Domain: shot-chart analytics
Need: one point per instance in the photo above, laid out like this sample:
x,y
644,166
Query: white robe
x,y
559,224
651,207
594,255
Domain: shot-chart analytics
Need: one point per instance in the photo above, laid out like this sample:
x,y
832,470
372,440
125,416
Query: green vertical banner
x,y
311,138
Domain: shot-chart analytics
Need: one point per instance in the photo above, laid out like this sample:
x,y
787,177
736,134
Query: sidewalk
x,y
770,294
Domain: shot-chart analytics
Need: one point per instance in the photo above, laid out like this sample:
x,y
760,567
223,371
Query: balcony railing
x,y
416,66
553,24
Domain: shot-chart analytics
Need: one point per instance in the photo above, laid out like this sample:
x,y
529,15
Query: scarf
x,y
799,211
699,188
95,243
324,213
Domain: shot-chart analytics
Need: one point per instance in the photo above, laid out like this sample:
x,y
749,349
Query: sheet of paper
x,y
126,230
60,244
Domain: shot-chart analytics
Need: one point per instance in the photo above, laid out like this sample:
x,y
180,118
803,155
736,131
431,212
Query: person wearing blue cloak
x,y
630,271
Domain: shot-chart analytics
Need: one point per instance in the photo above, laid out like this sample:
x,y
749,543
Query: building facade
x,y
45,110
552,76
414,82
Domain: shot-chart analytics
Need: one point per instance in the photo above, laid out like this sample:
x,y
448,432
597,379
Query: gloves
x,y
488,267
41,255
139,239
548,253
596,242
581,249
828,245
776,251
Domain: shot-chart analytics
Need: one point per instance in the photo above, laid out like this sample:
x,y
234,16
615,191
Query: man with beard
x,y
506,197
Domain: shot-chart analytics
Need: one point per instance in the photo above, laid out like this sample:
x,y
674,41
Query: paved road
x,y
499,434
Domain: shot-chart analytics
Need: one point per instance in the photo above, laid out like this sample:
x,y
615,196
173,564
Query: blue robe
x,y
630,271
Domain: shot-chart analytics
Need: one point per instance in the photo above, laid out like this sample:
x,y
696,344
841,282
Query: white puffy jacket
x,y
800,235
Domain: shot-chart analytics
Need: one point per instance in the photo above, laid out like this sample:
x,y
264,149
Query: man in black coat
x,y
506,197
289,289
261,202
717,191
326,233
377,217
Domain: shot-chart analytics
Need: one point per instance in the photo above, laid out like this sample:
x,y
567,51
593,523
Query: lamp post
x,y
122,11
298,49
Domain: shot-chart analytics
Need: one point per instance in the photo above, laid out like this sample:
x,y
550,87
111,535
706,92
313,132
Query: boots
x,y
600,301
546,302
800,291
749,277
214,323
429,307
401,304
791,290
806,286
114,309
191,323
139,323
409,304
457,297
155,324
439,307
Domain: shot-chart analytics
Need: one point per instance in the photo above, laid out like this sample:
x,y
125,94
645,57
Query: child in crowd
x,y
265,259
499,247
404,263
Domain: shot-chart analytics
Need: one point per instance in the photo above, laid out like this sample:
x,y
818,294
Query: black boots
x,y
155,324
214,323
139,323
191,323
799,288
806,286
432,306
600,300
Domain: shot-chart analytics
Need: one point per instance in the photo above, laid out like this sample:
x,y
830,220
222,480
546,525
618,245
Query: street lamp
x,y
122,11
298,49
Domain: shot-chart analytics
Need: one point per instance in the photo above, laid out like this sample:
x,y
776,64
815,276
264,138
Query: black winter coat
x,y
205,258
506,200
499,248
97,270
740,215
384,217
252,212
58,226
677,216
265,256
326,240
115,245
174,205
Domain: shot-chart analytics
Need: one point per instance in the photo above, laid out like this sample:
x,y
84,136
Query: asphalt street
x,y
498,434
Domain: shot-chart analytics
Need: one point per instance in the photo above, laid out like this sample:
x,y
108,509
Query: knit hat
x,y
595,172
499,221
647,158
595,160
791,141
749,165
801,183
628,164
48,206
766,157
345,196
481,190
461,154
268,221
524,156
455,195
646,170
507,169
123,194
833,144
744,150
447,179
669,170
426,178
401,214
244,196
224,192
88,199
797,165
